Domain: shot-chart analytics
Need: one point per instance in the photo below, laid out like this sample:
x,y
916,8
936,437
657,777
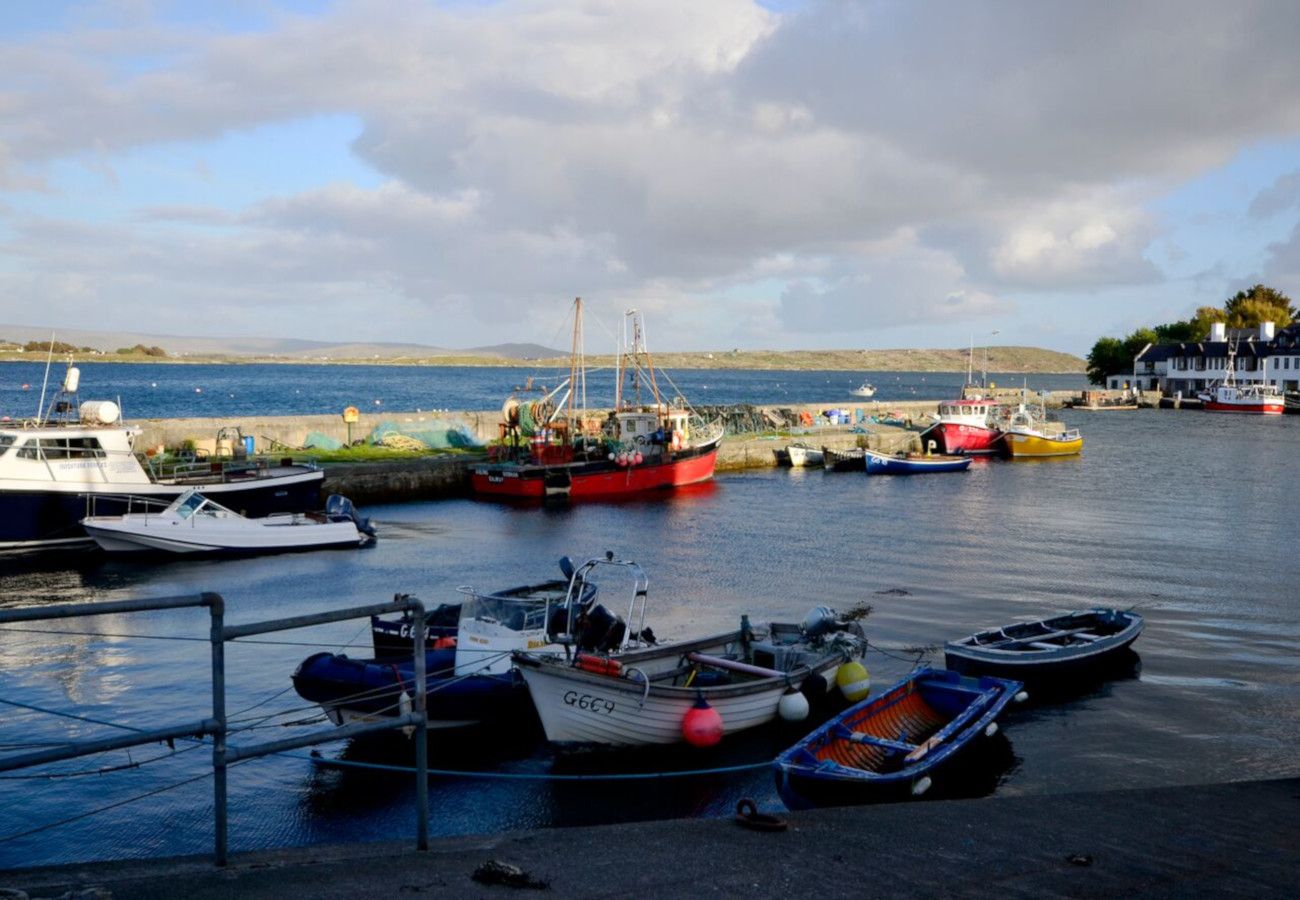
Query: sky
x,y
781,175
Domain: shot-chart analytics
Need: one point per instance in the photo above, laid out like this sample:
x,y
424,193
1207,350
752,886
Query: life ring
x,y
641,439
676,442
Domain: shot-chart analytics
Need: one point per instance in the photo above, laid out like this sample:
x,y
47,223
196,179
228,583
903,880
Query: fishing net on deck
x,y
438,434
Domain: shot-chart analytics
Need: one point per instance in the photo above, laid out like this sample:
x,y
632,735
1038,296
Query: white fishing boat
x,y
866,389
79,459
801,455
195,523
648,695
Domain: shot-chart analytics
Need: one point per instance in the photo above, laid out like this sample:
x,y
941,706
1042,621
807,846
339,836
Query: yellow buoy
x,y
853,681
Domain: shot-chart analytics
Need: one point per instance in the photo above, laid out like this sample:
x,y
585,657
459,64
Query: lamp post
x,y
986,358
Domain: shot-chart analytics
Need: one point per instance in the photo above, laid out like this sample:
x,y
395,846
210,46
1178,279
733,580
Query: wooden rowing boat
x,y
894,746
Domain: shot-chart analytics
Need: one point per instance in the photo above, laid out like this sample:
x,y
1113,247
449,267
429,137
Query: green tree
x,y
1135,342
1247,309
1107,357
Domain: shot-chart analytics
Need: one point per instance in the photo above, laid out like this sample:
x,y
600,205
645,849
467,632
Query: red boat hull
x,y
967,440
590,481
1259,409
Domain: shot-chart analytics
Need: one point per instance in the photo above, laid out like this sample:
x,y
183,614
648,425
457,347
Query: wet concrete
x,y
1240,839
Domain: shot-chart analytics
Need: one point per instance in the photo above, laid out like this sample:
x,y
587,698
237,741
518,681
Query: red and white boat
x,y
1256,398
643,445
1259,399
966,427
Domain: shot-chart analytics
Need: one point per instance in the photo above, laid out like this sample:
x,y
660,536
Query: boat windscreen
x,y
190,505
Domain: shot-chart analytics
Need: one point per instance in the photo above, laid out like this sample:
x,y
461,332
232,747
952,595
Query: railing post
x,y
421,731
216,608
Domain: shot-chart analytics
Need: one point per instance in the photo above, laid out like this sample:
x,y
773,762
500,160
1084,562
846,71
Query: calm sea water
x,y
149,391
1190,517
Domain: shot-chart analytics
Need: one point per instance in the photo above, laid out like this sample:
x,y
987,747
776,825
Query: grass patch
x,y
367,453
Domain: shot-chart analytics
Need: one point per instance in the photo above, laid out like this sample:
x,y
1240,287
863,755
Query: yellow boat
x,y
1031,442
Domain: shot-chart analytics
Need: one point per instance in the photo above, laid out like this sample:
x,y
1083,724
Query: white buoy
x,y
793,706
921,786
991,730
1021,697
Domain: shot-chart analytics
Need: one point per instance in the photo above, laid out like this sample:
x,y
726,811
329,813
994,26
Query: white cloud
x,y
889,162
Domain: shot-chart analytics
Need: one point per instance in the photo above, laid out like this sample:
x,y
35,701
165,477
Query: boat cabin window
x,y
6,441
61,448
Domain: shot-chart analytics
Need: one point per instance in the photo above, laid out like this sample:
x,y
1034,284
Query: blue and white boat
x,y
79,459
894,746
878,463
1055,649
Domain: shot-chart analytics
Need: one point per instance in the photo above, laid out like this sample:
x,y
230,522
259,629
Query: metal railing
x,y
216,726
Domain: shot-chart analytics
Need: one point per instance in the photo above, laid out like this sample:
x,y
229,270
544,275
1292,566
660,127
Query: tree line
x,y
60,348
1245,309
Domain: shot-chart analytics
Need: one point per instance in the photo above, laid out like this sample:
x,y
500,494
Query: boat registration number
x,y
588,702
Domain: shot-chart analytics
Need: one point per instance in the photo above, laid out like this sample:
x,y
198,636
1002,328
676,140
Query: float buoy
x,y
794,706
702,726
598,665
853,681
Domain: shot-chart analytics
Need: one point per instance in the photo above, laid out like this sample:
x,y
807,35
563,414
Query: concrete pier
x,y
437,477
1240,839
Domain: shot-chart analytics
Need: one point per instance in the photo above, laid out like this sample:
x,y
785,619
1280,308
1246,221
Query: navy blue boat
x,y
913,463
470,678
1056,650
894,746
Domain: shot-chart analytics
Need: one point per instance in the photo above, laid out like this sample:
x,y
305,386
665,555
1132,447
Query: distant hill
x,y
280,348
236,349
999,359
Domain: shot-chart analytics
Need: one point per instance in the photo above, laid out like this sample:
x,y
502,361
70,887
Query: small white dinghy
x,y
194,523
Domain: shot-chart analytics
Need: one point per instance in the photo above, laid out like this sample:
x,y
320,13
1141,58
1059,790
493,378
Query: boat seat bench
x,y
858,737
1050,636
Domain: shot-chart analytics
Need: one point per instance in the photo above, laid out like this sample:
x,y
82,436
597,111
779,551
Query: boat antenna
x,y
577,364
635,351
49,357
970,362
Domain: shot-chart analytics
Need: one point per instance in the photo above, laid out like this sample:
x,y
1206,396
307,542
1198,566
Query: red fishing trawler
x,y
965,427
552,449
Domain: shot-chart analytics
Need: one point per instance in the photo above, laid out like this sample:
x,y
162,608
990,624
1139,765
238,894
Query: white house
x,y
1257,354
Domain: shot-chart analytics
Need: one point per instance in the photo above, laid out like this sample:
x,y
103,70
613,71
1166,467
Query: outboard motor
x,y
340,509
599,630
821,620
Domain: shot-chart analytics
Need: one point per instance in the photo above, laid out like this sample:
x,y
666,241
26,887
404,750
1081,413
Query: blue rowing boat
x,y
1056,649
894,746
913,463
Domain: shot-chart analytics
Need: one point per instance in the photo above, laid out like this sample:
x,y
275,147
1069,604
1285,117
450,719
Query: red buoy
x,y
702,726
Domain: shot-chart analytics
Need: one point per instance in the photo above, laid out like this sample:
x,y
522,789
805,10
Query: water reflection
x,y
1147,517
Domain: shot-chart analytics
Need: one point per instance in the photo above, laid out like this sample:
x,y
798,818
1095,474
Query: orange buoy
x,y
702,725
444,643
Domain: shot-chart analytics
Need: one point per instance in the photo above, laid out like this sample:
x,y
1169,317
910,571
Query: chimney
x,y
1266,331
1218,333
